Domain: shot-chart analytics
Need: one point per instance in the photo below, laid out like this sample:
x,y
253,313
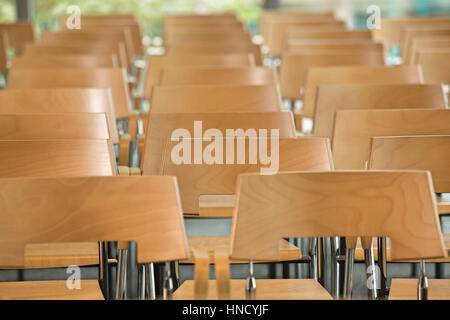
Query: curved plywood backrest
x,y
47,101
217,76
157,63
317,76
294,65
191,29
65,61
410,34
115,79
46,210
398,205
56,158
226,37
433,42
19,34
217,18
160,128
221,98
435,64
414,153
301,45
332,98
353,130
285,154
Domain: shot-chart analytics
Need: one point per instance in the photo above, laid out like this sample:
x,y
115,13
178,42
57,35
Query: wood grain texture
x,y
435,64
214,206
399,205
92,209
267,289
430,42
41,158
294,66
218,47
406,289
353,130
317,76
332,98
221,98
65,61
295,154
161,126
49,290
414,153
157,63
30,101
115,79
19,34
217,76
54,126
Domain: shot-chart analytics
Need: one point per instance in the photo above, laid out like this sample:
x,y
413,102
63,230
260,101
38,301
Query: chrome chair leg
x,y
147,282
250,285
168,282
334,242
382,291
348,274
320,261
121,276
313,258
422,285
372,274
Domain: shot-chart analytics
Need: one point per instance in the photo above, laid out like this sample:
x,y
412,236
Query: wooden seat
x,y
354,74
294,66
49,101
157,63
435,64
405,289
65,61
114,79
19,34
218,98
175,76
354,129
336,97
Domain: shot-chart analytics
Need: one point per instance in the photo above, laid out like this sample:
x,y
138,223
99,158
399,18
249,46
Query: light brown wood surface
x,y
335,97
217,76
220,98
267,289
354,74
187,18
353,130
433,42
65,61
19,34
161,126
50,290
300,45
141,209
414,153
406,289
189,29
294,66
157,63
294,154
115,79
3,51
435,64
226,37
30,101
399,205
408,35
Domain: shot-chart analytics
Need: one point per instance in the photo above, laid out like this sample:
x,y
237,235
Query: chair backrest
x,y
188,29
325,33
221,98
225,37
161,127
294,65
414,153
175,76
65,61
141,209
114,79
333,45
157,63
56,158
48,101
426,43
332,98
19,34
3,51
410,33
219,18
325,204
192,47
81,48
435,65
54,126
317,76
353,130
286,154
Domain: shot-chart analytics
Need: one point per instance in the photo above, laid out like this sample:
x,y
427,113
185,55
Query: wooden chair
x,y
152,219
354,74
218,19
425,43
157,63
332,98
334,45
50,101
65,61
353,130
207,37
288,206
188,29
219,98
435,64
409,34
3,52
19,34
215,48
176,76
294,65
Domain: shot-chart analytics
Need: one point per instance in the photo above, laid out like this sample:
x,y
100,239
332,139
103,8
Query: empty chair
x,y
354,74
218,98
335,97
65,61
435,64
19,34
